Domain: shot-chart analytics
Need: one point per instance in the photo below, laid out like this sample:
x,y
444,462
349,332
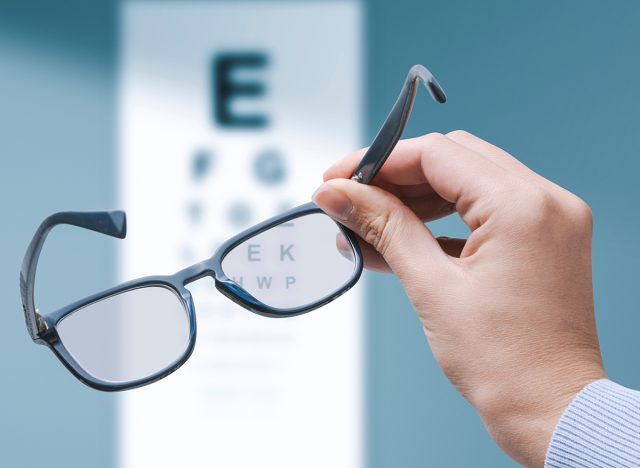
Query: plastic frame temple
x,y
111,223
394,125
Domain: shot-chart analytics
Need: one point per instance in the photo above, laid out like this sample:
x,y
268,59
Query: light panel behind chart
x,y
201,158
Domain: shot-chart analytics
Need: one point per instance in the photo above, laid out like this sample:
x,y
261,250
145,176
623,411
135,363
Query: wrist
x,y
521,415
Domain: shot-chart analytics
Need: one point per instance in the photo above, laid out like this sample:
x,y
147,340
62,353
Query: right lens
x,y
293,264
128,336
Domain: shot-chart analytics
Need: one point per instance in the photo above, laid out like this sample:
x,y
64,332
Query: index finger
x,y
455,172
402,167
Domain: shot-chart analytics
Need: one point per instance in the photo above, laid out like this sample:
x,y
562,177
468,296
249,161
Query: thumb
x,y
383,221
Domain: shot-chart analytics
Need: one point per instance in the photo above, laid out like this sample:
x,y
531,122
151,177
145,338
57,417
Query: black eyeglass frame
x,y
42,327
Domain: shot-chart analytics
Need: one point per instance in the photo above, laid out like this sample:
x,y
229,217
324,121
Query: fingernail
x,y
333,202
343,247
348,254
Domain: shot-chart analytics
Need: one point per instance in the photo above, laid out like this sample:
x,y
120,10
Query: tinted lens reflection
x,y
129,336
293,264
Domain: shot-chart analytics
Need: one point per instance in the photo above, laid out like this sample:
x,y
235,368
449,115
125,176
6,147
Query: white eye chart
x,y
229,113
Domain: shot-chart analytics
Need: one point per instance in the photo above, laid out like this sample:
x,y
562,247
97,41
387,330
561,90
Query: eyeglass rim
x,y
211,267
234,291
53,341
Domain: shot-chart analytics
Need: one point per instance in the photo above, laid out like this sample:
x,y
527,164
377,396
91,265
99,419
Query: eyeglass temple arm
x,y
393,126
111,223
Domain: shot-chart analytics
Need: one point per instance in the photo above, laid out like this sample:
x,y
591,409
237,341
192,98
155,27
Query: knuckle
x,y
433,138
461,134
534,205
379,230
542,201
542,207
430,143
579,214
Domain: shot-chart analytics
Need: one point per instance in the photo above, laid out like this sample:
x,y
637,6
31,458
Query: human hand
x,y
508,313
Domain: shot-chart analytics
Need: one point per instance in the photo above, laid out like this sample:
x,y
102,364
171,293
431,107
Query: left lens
x,y
128,336
293,264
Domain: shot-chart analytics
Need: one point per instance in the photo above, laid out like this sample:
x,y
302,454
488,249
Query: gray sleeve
x,y
601,427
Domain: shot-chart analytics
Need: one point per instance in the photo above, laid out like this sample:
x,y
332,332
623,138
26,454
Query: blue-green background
x,y
554,82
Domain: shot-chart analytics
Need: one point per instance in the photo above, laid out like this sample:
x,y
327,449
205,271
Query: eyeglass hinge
x,y
358,177
40,323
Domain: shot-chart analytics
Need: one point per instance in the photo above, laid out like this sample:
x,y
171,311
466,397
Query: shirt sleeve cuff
x,y
601,427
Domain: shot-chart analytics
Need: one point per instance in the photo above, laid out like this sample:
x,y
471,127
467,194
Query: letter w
x,y
263,280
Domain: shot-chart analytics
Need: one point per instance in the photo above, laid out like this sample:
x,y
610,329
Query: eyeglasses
x,y
143,330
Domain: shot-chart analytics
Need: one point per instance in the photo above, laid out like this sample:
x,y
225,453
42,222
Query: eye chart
x,y
229,114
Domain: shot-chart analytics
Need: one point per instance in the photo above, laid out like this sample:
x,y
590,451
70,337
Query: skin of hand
x,y
508,312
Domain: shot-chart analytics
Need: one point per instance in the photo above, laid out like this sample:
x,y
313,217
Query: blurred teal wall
x,y
553,82
57,142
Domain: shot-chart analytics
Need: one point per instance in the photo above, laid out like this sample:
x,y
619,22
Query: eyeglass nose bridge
x,y
229,288
195,272
233,291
